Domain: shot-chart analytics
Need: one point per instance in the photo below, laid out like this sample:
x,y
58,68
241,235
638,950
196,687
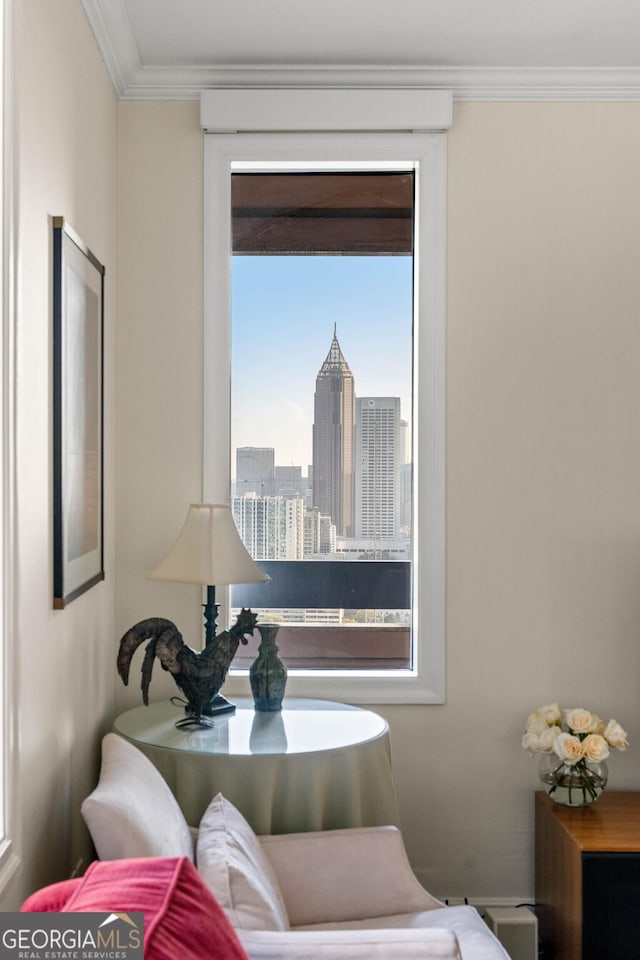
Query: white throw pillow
x,y
234,866
132,812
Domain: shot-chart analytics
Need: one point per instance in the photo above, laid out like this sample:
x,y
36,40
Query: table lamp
x,y
208,551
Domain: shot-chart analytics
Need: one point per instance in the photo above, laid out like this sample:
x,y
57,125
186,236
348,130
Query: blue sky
x,y
283,313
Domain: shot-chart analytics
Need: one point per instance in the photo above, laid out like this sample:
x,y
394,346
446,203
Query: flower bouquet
x,y
574,746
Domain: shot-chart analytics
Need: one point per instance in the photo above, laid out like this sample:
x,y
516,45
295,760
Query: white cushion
x,y
472,933
352,945
132,812
234,866
346,874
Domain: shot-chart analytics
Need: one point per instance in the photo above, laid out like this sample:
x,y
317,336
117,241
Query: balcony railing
x,y
350,584
333,584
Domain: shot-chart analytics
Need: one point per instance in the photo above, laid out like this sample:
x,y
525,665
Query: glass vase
x,y
573,785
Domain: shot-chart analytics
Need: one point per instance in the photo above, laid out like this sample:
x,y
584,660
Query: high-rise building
x,y
377,469
288,475
406,498
289,480
405,442
319,534
255,470
271,528
406,479
333,428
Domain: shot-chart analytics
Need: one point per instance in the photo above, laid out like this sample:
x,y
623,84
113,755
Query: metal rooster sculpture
x,y
199,675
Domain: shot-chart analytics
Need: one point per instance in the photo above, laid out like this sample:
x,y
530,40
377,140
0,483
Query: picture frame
x,y
78,416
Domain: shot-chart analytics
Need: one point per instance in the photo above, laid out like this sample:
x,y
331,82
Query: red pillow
x,y
181,917
51,899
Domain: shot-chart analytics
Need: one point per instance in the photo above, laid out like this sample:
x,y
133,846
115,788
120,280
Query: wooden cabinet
x,y
588,878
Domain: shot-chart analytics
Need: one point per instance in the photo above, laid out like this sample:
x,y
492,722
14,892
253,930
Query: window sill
x,y
340,647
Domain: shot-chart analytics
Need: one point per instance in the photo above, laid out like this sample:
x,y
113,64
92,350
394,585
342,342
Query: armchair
x,y
342,894
358,883
182,918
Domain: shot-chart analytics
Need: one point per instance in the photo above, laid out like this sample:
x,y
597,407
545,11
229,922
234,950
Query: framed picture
x,y
78,319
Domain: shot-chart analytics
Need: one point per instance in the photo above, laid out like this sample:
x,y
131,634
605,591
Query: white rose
x,y
615,735
579,720
534,719
542,742
568,748
595,748
536,724
551,714
598,725
531,742
548,739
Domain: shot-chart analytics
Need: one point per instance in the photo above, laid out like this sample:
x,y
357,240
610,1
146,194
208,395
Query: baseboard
x,y
485,903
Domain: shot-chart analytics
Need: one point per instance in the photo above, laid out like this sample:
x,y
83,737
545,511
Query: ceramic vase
x,y
268,674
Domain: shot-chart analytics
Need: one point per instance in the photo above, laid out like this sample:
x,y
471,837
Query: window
x,y
320,260
346,541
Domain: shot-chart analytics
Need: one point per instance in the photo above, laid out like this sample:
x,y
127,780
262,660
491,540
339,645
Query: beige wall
x,y
63,683
543,459
159,364
543,473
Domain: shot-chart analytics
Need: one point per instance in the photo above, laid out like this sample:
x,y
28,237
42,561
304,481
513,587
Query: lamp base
x,y
219,704
204,718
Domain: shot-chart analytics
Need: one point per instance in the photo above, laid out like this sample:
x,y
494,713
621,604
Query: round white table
x,y
314,765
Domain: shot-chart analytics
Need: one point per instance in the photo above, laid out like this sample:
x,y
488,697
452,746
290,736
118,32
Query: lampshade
x,y
209,551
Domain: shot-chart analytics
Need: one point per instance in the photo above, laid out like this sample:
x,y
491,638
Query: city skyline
x,y
353,498
284,312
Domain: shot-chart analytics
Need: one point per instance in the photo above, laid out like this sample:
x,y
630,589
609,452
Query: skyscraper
x,y
377,473
255,470
271,528
333,429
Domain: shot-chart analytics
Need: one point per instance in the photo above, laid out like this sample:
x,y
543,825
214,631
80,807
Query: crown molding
x,y
467,83
543,83
134,81
111,28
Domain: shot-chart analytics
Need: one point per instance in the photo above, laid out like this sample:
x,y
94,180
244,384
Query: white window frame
x,y
425,153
